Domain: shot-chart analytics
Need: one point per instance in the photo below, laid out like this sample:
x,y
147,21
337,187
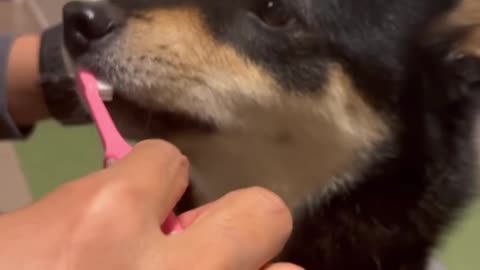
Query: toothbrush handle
x,y
115,150
115,146
172,225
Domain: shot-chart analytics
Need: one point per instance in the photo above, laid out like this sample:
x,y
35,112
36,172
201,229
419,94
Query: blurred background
x,y
31,169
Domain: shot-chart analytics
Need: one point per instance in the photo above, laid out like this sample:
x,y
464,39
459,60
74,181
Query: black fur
x,y
406,200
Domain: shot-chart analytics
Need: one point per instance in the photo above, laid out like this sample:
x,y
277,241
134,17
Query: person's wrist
x,y
25,99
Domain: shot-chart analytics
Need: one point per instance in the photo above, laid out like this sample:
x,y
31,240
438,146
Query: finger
x,y
243,230
283,266
190,217
156,175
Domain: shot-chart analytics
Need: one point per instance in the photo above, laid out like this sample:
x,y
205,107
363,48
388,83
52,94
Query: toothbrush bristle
x,y
105,91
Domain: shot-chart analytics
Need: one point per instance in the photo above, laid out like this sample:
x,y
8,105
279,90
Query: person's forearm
x,y
25,99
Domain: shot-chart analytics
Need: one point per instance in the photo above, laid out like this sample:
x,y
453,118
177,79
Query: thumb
x,y
243,230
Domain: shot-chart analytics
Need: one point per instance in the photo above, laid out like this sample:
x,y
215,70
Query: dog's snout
x,y
85,23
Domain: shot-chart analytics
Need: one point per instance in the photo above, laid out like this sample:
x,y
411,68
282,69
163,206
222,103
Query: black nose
x,y
84,23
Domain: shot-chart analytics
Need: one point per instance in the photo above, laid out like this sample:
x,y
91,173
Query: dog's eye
x,y
274,13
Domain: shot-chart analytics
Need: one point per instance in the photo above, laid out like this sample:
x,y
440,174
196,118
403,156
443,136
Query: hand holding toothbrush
x,y
115,147
110,219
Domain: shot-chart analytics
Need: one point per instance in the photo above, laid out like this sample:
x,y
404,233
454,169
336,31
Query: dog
x,y
359,114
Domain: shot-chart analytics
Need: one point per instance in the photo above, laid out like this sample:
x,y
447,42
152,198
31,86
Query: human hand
x,y
111,220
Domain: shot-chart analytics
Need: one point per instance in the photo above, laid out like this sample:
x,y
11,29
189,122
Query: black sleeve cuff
x,y
8,129
59,86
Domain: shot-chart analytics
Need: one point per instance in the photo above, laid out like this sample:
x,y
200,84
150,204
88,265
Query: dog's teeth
x,y
105,90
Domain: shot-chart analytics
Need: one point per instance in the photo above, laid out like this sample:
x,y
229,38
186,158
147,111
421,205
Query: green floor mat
x,y
55,155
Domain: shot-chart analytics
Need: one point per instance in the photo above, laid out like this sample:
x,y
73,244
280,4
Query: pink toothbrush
x,y
115,147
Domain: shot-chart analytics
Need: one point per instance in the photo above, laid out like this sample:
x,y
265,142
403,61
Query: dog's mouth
x,y
139,121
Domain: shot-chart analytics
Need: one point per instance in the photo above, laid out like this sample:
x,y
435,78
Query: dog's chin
x,y
137,122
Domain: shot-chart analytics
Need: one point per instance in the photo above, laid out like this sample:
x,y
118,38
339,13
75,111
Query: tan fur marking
x,y
470,45
291,142
180,38
343,104
466,16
